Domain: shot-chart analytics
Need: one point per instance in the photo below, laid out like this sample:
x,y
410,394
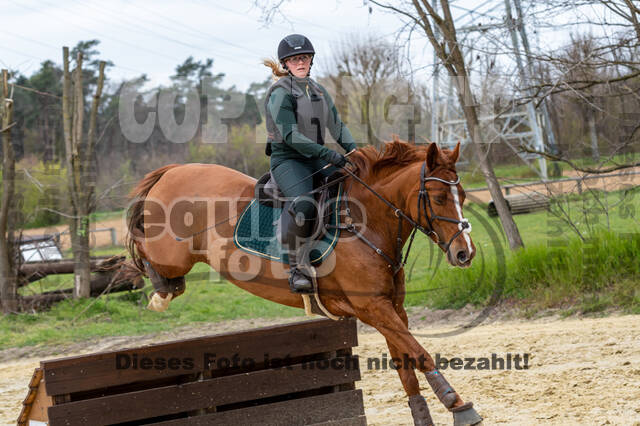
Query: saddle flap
x,y
271,188
267,192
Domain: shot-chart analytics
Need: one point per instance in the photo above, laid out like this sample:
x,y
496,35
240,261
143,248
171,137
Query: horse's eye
x,y
440,200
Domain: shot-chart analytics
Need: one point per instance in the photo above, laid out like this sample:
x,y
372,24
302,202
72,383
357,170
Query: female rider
x,y
297,111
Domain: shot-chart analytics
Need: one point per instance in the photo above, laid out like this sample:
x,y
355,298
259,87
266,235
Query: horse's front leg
x,y
417,403
381,315
407,373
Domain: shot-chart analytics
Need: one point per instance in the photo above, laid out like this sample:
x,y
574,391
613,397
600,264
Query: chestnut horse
x,y
414,184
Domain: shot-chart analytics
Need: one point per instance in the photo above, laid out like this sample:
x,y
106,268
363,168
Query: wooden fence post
x,y
8,277
80,166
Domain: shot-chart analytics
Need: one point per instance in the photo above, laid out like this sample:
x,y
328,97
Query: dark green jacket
x,y
288,139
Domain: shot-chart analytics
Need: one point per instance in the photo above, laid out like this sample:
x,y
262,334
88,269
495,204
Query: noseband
x,y
424,205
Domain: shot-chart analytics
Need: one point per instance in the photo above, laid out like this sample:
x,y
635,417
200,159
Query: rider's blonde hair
x,y
276,69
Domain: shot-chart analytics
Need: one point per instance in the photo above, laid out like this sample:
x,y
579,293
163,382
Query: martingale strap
x,y
351,228
397,263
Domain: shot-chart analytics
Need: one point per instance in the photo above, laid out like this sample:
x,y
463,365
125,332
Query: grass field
x,y
555,269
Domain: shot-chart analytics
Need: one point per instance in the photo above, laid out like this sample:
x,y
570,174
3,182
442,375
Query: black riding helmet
x,y
294,44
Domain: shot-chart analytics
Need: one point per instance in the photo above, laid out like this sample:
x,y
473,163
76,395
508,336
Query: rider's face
x,y
299,65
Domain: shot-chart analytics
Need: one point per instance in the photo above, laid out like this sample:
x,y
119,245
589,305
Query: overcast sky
x,y
153,36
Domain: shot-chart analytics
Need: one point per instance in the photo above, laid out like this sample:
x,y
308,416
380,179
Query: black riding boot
x,y
295,235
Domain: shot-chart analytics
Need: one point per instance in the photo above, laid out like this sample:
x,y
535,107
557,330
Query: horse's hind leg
x,y
386,320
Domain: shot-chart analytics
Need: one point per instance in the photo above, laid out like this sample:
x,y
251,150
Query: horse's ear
x,y
455,153
433,153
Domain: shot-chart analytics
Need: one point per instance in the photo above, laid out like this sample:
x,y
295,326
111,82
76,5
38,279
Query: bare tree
x,y
625,9
373,89
80,161
578,55
370,64
617,52
422,14
594,77
8,275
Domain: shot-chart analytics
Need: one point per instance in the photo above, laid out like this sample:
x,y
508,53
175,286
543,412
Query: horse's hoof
x,y
466,415
159,303
420,411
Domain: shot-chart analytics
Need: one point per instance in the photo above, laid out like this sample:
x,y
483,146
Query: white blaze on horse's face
x,y
467,231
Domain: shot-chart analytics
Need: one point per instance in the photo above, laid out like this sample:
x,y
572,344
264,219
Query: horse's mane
x,y
370,160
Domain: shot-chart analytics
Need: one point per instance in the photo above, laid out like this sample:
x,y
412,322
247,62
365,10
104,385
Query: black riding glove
x,y
336,158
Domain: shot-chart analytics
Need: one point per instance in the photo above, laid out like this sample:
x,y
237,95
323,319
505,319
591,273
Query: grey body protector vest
x,y
310,108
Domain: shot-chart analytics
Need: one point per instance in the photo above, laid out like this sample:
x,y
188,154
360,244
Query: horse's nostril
x,y
462,256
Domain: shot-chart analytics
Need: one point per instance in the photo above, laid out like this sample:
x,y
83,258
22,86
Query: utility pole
x,y
525,76
435,98
515,127
548,127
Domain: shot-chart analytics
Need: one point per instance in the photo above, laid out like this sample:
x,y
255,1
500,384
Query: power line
x,y
303,21
198,34
22,53
173,40
98,33
169,23
29,89
56,48
174,60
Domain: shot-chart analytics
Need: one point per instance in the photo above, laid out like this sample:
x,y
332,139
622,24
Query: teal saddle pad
x,y
255,232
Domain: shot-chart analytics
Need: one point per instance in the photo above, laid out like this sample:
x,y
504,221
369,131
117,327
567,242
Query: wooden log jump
x,y
34,271
522,203
297,374
109,274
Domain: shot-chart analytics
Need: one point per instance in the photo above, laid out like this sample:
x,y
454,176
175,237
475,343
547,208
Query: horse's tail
x,y
135,214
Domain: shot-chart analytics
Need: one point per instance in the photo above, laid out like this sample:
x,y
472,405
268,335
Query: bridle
x,y
424,202
424,206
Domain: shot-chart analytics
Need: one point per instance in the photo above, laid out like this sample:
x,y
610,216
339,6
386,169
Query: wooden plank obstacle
x,y
301,373
522,203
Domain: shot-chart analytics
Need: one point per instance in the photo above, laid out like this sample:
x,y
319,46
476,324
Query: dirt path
x,y
581,371
555,188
